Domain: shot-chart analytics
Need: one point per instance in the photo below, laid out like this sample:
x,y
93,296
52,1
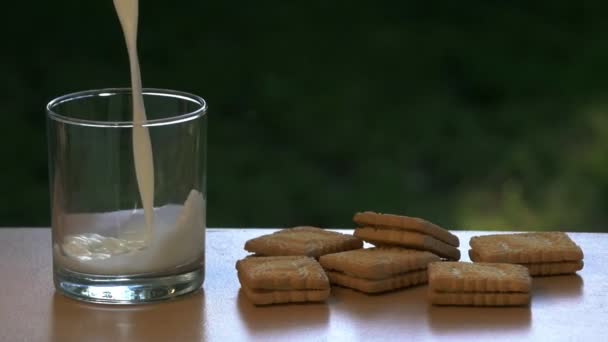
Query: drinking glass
x,y
103,251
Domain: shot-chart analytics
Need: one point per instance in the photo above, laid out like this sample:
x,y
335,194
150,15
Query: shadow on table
x,y
402,304
564,287
282,318
176,320
450,319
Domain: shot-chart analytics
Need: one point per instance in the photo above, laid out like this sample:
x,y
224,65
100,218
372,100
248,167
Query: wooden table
x,y
563,308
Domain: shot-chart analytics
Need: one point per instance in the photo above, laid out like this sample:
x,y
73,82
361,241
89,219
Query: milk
x,y
136,242
178,240
128,13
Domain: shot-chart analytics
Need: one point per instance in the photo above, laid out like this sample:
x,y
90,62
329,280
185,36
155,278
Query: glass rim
x,y
52,114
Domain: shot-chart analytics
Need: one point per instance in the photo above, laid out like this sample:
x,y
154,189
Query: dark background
x,y
473,114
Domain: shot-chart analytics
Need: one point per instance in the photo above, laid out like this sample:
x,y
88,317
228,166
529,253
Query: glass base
x,y
126,289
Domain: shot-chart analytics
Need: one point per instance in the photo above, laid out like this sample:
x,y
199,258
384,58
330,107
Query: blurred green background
x,y
473,114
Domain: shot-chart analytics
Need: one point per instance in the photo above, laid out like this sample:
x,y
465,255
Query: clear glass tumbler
x,y
103,251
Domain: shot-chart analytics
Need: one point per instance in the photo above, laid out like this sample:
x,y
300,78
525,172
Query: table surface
x,y
562,308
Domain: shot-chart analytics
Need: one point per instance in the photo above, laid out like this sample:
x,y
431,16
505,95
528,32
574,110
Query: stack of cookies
x,y
543,253
376,270
283,279
409,232
478,284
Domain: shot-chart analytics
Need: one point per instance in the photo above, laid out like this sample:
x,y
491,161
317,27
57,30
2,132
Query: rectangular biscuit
x,y
478,277
377,263
554,268
308,241
372,219
378,285
479,299
266,297
478,284
388,236
281,273
526,248
544,268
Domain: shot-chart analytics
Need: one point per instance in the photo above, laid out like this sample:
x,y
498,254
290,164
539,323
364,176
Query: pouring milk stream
x,y
128,13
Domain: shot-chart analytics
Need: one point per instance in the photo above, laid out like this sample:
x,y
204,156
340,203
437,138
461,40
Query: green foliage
x,y
476,114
